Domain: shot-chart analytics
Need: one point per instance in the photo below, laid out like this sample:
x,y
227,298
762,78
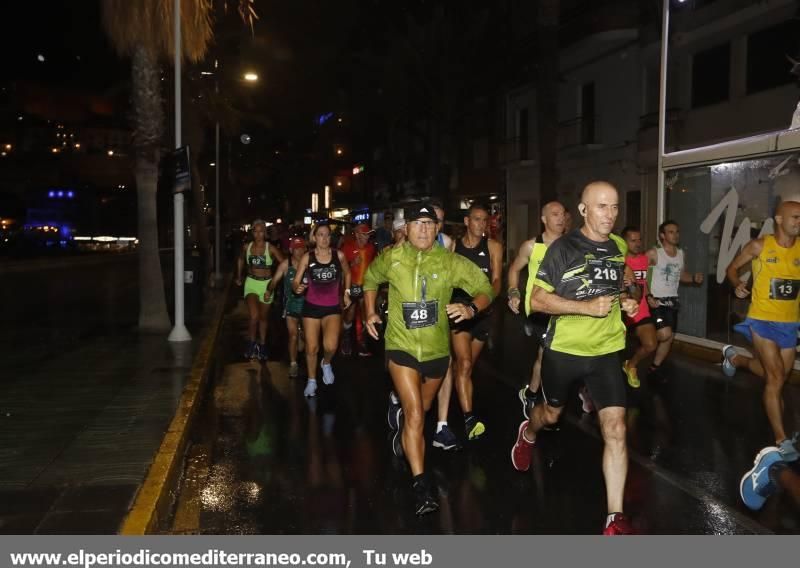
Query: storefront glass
x,y
719,208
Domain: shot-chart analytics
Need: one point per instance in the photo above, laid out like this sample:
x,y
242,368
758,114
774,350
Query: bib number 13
x,y
784,289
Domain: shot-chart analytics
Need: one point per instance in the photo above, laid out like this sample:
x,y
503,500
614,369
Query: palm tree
x,y
143,30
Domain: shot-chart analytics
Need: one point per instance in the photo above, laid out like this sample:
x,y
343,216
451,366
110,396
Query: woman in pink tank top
x,y
324,276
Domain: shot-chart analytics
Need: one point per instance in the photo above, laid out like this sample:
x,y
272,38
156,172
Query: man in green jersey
x,y
580,283
421,279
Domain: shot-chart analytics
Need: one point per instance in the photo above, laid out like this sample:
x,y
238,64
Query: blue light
x,y
323,118
70,194
61,194
51,194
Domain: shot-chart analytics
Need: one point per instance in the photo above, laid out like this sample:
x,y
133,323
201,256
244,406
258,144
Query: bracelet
x,y
513,292
474,308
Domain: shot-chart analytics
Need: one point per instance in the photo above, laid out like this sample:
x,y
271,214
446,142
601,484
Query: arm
x,y
449,243
750,251
345,278
278,276
375,276
496,267
521,260
240,265
549,303
297,284
652,256
470,278
689,278
275,253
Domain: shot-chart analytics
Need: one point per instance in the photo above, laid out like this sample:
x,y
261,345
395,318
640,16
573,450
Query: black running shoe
x,y
397,439
424,501
528,400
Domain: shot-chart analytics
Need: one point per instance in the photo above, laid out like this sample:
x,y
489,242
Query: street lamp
x,y
251,77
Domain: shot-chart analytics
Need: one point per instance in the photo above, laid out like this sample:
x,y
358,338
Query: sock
x,y
440,425
418,479
610,518
393,398
467,416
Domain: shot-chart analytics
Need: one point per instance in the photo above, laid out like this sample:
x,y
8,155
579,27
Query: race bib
x,y
783,289
325,273
420,314
605,274
356,291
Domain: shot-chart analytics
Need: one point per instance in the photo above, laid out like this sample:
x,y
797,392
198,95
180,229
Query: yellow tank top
x,y
776,278
537,254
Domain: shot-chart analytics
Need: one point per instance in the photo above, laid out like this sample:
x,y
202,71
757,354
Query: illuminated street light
x,y
251,77
111,152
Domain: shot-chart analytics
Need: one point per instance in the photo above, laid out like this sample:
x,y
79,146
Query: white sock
x,y
348,325
440,425
394,398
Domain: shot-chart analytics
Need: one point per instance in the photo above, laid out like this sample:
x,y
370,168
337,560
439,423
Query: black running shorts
x,y
318,312
665,316
602,374
434,369
478,327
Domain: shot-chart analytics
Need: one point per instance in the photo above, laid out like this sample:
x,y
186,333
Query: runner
x,y
580,283
421,279
326,270
666,273
469,337
293,308
359,253
772,319
531,253
642,322
258,256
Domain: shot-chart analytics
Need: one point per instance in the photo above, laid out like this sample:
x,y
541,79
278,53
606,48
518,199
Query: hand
x,y
346,301
372,321
741,290
630,307
598,307
698,278
459,312
513,303
627,280
652,302
300,289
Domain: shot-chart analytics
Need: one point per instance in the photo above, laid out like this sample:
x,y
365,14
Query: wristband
x,y
513,292
474,308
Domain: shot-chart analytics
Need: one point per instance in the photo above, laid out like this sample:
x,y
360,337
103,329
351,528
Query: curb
x,y
154,499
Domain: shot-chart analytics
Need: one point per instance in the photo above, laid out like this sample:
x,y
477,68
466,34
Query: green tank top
x,y
262,261
294,302
537,254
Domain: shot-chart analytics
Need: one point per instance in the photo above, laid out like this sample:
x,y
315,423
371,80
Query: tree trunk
x,y
153,316
148,127
547,99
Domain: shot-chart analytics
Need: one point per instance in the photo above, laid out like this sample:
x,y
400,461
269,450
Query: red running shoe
x,y
619,525
522,452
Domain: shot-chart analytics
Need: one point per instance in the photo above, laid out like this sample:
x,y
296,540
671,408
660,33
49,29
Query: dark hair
x,y
629,229
475,205
663,226
436,203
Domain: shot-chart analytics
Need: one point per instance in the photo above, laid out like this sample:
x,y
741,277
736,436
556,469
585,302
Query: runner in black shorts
x,y
580,282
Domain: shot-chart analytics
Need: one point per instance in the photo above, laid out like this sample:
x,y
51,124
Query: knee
x,y
312,350
414,418
649,345
465,367
614,431
550,414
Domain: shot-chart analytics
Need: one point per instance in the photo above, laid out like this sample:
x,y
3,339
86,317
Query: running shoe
x,y
633,376
788,448
728,353
445,439
756,485
262,352
424,501
294,370
527,327
249,353
311,388
363,350
586,400
619,525
256,356
474,428
347,342
397,439
327,373
393,416
522,452
528,400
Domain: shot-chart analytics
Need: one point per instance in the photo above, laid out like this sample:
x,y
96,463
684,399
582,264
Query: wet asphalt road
x,y
267,460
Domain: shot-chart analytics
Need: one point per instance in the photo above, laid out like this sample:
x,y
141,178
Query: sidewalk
x,y
80,429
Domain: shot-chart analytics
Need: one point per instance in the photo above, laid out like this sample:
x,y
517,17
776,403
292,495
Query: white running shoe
x,y
327,373
311,388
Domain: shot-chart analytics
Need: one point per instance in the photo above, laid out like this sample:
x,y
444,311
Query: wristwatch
x,y
475,309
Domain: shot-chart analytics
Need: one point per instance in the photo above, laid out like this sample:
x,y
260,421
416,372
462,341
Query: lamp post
x,y
662,111
179,331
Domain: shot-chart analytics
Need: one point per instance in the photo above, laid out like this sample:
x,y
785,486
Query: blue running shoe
x,y
728,353
393,416
397,438
756,485
788,449
250,352
444,439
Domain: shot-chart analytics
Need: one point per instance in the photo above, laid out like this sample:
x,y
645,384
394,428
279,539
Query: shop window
x,y
711,71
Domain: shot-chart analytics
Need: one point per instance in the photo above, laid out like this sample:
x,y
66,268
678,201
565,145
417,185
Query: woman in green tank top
x,y
293,308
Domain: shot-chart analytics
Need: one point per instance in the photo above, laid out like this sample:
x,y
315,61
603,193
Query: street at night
x,y
394,271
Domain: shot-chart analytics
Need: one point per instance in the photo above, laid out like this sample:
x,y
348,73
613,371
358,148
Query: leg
x,y
615,455
311,329
331,325
253,312
462,352
443,398
263,321
408,386
665,337
291,328
772,360
647,344
536,373
542,415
